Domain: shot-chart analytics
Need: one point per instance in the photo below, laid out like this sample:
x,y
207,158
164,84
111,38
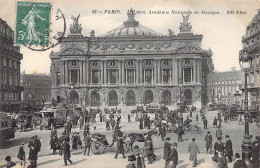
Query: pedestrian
x,y
239,163
208,139
148,123
166,150
173,157
221,160
33,152
107,125
205,123
228,148
69,126
190,114
180,132
81,122
215,122
88,141
197,117
219,133
162,131
120,147
219,146
219,122
100,117
148,147
38,143
240,119
54,143
139,157
256,149
61,141
129,118
66,149
141,123
21,154
53,131
193,150
10,163
74,140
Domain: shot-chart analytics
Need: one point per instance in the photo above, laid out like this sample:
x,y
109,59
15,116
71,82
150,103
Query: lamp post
x,y
245,62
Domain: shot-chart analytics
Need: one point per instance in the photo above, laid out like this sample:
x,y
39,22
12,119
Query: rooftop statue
x,y
76,27
185,25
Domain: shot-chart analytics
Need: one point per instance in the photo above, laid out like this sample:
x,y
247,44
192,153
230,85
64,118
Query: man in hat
x,y
205,123
87,140
173,156
219,146
61,142
33,153
120,147
148,146
66,149
228,147
9,162
193,150
208,139
167,150
239,163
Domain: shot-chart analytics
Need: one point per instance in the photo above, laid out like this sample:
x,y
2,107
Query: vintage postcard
x,y
129,84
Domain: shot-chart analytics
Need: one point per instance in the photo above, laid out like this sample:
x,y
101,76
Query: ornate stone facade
x,y
251,47
10,60
132,65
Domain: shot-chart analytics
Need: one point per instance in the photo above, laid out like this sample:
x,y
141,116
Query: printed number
x,y
21,35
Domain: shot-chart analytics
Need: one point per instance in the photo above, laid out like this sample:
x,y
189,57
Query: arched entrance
x,y
148,97
166,97
130,98
74,97
95,99
112,99
187,97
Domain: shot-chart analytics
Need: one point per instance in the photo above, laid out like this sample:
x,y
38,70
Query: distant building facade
x,y
132,65
10,60
226,85
251,47
37,89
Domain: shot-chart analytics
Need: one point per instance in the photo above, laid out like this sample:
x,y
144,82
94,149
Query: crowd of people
x,y
165,122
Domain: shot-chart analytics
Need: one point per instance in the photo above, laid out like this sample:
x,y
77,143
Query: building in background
x,y
226,87
132,65
37,89
251,48
10,60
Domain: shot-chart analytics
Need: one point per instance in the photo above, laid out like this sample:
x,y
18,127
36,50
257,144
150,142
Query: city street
x,y
46,159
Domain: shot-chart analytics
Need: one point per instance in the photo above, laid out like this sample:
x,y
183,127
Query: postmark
x,y
34,23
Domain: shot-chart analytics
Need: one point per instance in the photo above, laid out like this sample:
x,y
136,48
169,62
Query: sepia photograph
x,y
129,84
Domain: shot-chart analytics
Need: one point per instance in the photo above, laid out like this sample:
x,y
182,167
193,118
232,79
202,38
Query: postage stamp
x,y
33,20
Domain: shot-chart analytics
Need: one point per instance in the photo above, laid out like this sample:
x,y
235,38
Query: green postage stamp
x,y
33,20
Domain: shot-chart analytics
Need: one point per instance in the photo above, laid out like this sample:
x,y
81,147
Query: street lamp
x,y
245,61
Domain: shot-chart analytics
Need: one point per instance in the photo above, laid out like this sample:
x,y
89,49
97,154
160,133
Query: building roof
x,y
256,19
131,27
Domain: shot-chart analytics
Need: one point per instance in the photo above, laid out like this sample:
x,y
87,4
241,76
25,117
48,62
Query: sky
x,y
222,32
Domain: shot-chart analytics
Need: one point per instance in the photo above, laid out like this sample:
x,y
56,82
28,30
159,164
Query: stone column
x,y
105,73
66,76
80,72
173,71
180,77
123,72
199,79
195,71
62,73
84,72
87,72
120,71
176,78
152,76
141,72
159,72
155,71
137,72
102,72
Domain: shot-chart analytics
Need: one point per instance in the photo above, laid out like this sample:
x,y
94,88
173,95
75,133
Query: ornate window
x,y
112,74
95,76
187,61
148,76
166,75
187,74
73,63
130,76
130,63
148,62
74,76
112,63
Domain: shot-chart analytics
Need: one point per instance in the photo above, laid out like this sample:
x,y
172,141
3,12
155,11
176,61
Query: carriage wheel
x,y
97,147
